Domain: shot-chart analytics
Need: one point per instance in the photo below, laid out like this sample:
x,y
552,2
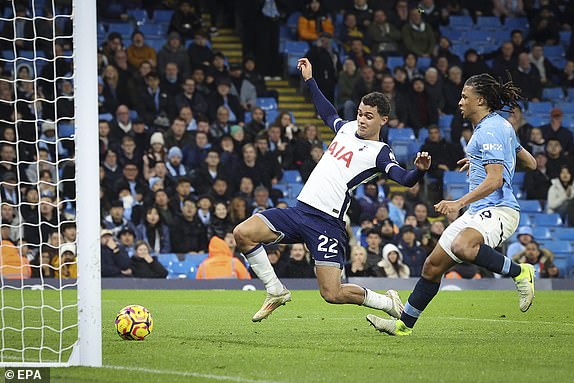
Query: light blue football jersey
x,y
493,142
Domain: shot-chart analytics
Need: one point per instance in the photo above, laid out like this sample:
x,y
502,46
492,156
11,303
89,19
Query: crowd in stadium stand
x,y
180,164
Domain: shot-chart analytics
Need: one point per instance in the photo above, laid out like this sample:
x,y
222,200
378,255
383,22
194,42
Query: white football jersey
x,y
348,162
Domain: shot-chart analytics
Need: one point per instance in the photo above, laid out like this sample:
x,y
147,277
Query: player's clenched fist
x,y
304,66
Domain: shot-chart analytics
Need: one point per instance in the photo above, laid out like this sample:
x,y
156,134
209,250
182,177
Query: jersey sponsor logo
x,y
340,153
491,146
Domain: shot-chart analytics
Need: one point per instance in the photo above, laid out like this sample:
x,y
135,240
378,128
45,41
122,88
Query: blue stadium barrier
x,y
291,176
539,108
548,220
529,206
553,94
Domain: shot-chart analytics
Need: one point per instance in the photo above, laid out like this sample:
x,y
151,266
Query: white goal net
x,y
44,304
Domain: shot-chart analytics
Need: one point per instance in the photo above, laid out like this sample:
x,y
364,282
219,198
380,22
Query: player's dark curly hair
x,y
379,100
496,93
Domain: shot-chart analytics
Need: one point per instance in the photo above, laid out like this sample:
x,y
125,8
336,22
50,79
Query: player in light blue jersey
x,y
493,212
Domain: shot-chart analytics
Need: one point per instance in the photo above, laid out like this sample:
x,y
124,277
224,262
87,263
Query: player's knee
x,y
463,250
431,272
241,235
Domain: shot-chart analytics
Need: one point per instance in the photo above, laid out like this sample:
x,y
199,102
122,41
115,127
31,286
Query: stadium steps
x,y
302,109
228,42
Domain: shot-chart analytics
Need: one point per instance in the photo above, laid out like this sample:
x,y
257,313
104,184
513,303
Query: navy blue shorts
x,y
325,236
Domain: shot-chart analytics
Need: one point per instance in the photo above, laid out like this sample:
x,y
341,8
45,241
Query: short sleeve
x,y
492,147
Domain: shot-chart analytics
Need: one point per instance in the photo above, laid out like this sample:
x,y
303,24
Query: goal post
x,y
87,181
54,318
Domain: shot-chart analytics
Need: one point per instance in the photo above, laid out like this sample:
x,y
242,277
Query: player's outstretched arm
x,y
326,110
386,162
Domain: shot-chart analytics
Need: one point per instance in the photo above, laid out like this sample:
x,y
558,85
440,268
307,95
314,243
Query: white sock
x,y
377,301
262,267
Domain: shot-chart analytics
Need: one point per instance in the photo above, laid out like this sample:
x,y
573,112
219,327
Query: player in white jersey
x,y
355,155
493,212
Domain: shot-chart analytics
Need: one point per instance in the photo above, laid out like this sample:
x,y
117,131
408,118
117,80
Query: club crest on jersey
x,y
340,153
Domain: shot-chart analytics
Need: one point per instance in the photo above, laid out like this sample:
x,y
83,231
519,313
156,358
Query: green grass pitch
x,y
207,336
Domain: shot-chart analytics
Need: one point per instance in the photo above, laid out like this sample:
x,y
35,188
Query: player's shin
x,y
494,261
421,296
257,258
377,301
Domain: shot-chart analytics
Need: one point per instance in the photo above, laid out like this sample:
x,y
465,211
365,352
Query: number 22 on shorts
x,y
328,245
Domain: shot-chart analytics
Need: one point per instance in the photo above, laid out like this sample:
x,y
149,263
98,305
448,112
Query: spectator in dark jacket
x,y
144,265
413,253
537,182
297,266
188,234
444,154
115,261
473,64
526,77
154,232
186,20
200,55
421,110
222,97
191,97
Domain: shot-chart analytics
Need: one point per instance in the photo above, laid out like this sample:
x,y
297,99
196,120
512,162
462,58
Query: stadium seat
x,y
566,107
423,63
537,121
295,188
266,103
153,30
568,121
553,94
291,176
395,61
564,233
564,264
547,220
124,29
524,220
65,130
460,22
401,134
570,96
292,24
558,246
162,15
488,23
423,135
283,188
516,23
296,47
541,233
401,150
165,259
565,38
194,260
539,108
156,42
553,51
271,116
8,54
529,206
455,184
291,202
474,36
139,16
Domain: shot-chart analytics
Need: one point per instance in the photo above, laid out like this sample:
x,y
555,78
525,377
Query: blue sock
x,y
421,296
494,261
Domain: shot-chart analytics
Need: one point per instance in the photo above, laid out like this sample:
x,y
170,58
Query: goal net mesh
x,y
39,311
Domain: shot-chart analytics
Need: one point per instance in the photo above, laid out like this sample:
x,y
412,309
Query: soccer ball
x,y
134,322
